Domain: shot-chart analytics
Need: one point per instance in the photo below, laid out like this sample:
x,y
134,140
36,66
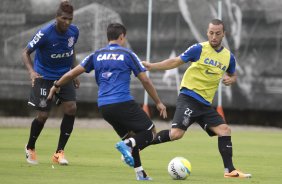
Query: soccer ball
x,y
179,168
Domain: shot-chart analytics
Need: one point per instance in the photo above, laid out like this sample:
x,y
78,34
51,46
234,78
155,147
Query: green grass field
x,y
93,158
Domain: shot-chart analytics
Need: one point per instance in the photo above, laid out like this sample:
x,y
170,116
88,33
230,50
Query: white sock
x,y
133,142
137,169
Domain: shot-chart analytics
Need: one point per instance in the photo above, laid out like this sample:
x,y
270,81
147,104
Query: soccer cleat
x,y
126,152
140,176
30,156
59,158
237,174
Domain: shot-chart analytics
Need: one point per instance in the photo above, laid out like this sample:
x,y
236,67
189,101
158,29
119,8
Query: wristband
x,y
56,85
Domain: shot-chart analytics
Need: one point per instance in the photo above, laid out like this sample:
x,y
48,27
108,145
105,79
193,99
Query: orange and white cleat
x,y
59,158
237,174
31,157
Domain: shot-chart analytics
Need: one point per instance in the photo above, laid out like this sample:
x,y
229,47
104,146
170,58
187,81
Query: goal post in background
x,y
148,53
219,92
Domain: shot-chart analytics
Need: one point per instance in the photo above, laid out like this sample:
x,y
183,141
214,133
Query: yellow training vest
x,y
203,76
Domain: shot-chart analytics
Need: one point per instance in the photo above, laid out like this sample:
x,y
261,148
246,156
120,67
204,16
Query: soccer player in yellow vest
x,y
210,62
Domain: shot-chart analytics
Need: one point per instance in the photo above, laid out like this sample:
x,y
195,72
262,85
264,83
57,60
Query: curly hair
x,y
65,6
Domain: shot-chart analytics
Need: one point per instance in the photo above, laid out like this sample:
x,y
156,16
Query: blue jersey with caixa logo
x,y
113,66
54,51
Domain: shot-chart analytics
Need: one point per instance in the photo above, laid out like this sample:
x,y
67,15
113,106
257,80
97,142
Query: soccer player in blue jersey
x,y
113,66
210,61
54,56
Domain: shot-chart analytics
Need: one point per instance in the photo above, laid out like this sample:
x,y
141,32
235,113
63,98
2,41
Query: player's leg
x,y
226,150
141,139
144,131
129,117
224,145
168,135
184,116
215,125
138,168
140,172
136,120
36,127
67,123
67,97
37,100
113,115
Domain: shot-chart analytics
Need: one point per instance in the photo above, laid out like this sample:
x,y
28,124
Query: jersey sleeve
x,y
192,54
37,40
232,66
135,63
77,34
88,63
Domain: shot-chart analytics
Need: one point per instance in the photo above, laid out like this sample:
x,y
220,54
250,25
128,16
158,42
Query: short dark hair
x,y
218,22
65,6
114,30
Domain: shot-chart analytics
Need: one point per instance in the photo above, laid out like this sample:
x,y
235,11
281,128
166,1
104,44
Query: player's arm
x,y
165,64
70,75
28,63
231,75
147,84
191,54
36,42
229,79
75,63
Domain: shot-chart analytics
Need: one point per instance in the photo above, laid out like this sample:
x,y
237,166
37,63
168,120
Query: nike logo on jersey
x,y
55,44
118,57
36,38
215,63
208,72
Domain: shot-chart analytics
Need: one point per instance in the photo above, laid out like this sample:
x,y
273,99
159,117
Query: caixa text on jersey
x,y
62,55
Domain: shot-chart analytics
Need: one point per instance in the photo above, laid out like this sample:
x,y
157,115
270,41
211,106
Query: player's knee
x,y
176,134
42,117
224,130
154,132
70,108
72,111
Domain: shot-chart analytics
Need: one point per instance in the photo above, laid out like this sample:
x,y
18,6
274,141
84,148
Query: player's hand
x,y
162,109
76,83
227,80
34,75
52,92
147,65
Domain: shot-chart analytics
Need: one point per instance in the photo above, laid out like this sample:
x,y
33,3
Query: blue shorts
x,y
189,110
